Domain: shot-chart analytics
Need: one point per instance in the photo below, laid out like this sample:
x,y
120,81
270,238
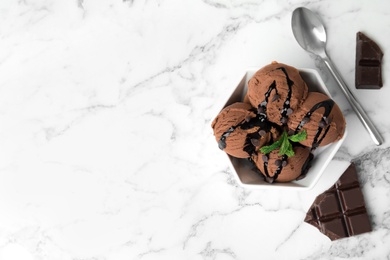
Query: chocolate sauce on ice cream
x,y
286,111
321,118
252,123
279,162
277,90
281,168
324,123
280,115
240,131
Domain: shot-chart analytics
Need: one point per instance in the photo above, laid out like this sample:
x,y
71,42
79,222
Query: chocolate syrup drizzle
x,y
268,178
305,167
257,121
286,104
262,108
328,106
261,121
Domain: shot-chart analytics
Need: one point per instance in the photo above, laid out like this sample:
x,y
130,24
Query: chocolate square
x,y
358,224
351,199
369,76
335,228
328,206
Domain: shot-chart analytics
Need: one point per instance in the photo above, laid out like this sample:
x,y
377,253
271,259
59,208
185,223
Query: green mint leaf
x,y
269,148
290,150
287,149
298,137
285,145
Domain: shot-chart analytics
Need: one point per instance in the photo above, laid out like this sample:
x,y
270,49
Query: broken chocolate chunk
x,y
255,142
276,97
368,70
340,211
262,133
278,162
284,120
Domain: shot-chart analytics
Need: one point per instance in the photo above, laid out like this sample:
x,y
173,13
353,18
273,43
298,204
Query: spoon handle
x,y
374,133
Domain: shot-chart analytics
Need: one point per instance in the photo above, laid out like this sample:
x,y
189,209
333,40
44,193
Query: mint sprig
x,y
269,148
285,144
298,137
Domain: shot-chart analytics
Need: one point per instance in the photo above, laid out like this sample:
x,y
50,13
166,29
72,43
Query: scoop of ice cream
x,y
322,119
277,90
280,168
240,132
246,99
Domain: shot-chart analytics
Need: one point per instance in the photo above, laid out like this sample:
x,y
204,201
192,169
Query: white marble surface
x,y
106,149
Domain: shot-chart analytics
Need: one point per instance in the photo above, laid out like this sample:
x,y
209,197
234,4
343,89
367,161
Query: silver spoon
x,y
311,35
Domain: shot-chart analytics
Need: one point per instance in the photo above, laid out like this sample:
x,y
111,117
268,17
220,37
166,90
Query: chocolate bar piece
x,y
340,211
368,69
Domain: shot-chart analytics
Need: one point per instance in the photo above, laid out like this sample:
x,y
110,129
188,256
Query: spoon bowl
x,y
310,33
304,21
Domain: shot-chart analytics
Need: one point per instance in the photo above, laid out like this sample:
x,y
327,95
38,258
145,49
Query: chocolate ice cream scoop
x,y
277,90
281,168
322,119
240,132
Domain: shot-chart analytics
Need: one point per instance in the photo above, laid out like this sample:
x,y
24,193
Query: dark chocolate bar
x,y
340,211
368,69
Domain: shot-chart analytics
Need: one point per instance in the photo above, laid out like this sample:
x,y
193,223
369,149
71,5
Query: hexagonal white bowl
x,y
242,168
